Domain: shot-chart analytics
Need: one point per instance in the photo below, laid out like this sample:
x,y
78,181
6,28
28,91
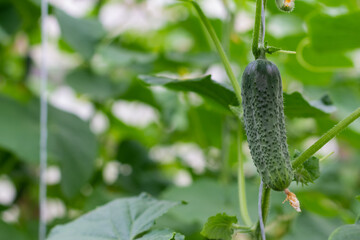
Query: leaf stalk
x,y
326,138
210,30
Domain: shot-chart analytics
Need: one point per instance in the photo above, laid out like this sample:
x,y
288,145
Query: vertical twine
x,y
262,227
43,122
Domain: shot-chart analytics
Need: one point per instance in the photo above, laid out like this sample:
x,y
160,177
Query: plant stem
x,y
325,157
241,181
287,51
225,140
219,48
257,29
239,227
265,206
227,26
326,138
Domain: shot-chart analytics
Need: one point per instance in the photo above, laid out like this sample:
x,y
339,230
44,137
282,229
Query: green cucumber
x,y
262,100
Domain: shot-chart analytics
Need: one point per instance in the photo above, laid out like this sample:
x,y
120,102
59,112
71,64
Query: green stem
x,y
325,157
227,26
265,207
326,138
219,48
239,227
287,51
225,169
257,28
241,181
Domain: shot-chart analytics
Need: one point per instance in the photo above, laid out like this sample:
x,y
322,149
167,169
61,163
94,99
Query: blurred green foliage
x,y
186,150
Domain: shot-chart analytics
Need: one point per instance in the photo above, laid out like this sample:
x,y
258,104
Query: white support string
x,y
261,222
43,122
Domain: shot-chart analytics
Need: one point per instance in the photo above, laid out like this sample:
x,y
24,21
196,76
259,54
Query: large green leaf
x,y
346,232
70,141
310,226
82,35
74,146
204,86
19,127
118,56
334,33
219,227
123,219
296,106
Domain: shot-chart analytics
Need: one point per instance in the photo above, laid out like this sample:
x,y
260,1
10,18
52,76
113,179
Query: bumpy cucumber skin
x,y
262,100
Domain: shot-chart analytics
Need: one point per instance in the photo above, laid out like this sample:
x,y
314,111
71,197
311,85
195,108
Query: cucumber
x,y
262,100
285,5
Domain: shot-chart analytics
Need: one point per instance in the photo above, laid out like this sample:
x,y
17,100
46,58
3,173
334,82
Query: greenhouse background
x,y
138,107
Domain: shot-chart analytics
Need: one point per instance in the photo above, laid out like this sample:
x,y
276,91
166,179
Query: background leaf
x,y
204,86
97,87
347,232
71,143
334,33
296,106
82,35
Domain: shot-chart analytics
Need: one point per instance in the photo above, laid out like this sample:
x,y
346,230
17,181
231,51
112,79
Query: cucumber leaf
x,y
346,232
204,86
219,227
334,33
82,35
70,141
124,219
308,172
97,87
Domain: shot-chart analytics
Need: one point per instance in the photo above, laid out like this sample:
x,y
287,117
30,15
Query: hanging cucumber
x,y
264,123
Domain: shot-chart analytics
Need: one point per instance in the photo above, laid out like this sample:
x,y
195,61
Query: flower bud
x,y
285,5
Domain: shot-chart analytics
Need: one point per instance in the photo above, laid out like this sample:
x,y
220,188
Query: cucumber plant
x,y
263,118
